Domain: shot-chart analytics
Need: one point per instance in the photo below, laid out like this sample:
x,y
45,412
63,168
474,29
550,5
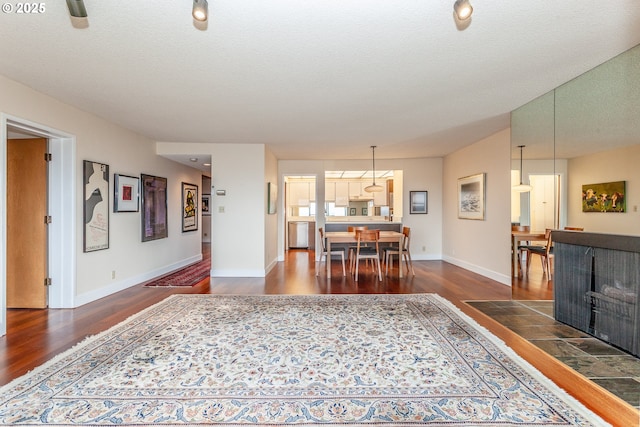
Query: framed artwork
x,y
126,193
352,211
604,197
189,207
365,211
96,206
154,207
471,197
418,202
206,202
272,196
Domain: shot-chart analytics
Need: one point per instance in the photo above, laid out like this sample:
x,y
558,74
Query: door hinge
x,y
47,281
47,157
47,219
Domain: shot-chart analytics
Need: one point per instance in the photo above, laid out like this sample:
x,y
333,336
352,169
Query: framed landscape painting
x,y
471,197
418,202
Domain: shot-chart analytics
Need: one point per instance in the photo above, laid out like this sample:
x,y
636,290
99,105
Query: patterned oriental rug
x,y
299,360
188,276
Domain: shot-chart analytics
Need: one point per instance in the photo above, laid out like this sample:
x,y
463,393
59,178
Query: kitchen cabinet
x,y
342,193
330,191
355,190
380,199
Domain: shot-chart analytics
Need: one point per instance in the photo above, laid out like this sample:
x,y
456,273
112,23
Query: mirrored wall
x,y
581,152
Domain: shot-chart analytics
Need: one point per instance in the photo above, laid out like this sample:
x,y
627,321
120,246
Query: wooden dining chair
x,y
522,250
389,252
326,256
352,249
367,248
544,251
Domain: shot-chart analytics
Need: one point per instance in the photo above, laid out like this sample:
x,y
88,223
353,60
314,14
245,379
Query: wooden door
x,y
26,228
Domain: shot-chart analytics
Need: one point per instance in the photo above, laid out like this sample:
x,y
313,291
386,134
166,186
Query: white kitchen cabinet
x,y
380,198
342,193
355,189
330,191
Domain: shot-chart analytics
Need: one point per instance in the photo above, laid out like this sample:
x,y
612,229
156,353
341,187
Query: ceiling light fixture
x,y
521,188
77,9
200,10
373,188
463,9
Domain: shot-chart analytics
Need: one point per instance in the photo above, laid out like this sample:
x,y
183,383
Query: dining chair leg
x,y
344,272
319,264
409,263
379,269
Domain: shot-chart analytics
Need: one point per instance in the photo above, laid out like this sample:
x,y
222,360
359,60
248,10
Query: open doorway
x,y
61,200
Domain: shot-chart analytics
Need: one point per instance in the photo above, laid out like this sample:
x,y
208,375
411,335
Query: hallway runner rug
x,y
187,276
379,360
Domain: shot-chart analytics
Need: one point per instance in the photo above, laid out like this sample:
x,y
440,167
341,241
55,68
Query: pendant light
x,y
373,188
521,188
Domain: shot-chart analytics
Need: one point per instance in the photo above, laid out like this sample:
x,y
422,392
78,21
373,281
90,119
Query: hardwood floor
x,y
35,336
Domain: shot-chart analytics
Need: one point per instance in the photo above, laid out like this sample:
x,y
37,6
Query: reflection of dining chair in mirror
x,y
352,249
522,250
574,228
368,252
402,254
544,251
326,256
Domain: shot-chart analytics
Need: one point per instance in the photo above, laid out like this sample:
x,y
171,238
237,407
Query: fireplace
x,y
597,286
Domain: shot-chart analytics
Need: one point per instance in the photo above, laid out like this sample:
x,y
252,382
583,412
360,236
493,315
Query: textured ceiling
x,y
313,79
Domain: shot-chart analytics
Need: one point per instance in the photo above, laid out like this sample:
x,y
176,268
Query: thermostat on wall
x,y
221,192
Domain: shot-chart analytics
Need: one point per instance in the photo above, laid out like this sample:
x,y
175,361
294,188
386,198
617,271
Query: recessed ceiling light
x,y
207,164
194,159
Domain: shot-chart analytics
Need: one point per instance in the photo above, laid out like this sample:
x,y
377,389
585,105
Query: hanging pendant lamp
x,y
521,188
373,188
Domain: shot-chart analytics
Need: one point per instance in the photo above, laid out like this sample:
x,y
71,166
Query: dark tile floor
x,y
611,368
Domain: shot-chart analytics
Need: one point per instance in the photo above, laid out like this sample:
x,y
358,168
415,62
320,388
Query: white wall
x,y
483,247
418,175
126,153
608,166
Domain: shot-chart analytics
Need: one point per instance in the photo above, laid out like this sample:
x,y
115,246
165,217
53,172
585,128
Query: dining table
x,y
386,236
523,236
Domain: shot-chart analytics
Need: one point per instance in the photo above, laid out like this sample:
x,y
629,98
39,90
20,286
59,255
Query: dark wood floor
x,y
35,336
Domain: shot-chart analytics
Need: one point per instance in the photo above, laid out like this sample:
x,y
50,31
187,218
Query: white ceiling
x,y
313,79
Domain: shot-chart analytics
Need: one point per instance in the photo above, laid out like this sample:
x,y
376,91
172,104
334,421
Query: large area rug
x,y
305,360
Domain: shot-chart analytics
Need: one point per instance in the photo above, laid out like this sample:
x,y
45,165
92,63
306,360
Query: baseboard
x,y
237,273
493,275
121,285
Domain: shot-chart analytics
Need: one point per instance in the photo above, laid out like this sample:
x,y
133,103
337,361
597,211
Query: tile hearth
x,y
611,368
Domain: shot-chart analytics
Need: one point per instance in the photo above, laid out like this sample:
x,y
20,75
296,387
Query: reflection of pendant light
x,y
521,188
373,188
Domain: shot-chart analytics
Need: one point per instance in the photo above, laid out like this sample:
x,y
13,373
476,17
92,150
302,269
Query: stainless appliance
x,y
298,234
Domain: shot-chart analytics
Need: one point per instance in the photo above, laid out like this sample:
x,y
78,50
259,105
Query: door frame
x,y
62,200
